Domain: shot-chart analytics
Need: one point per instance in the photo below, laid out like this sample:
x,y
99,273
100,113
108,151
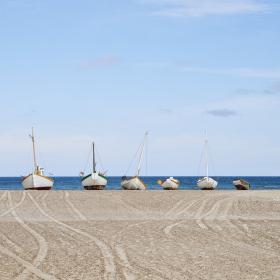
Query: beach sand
x,y
140,235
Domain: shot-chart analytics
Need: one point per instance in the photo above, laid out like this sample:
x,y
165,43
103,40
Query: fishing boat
x,y
169,184
207,183
36,180
135,182
95,180
241,184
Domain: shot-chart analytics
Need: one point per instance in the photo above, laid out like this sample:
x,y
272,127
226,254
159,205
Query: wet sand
x,y
140,235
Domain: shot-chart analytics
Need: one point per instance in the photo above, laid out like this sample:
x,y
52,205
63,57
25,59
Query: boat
x,y
135,182
241,184
95,180
169,184
36,180
207,183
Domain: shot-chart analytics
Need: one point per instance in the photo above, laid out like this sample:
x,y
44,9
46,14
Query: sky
x,y
108,71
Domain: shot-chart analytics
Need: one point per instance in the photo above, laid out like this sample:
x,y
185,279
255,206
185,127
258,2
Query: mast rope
x,y
87,162
133,160
134,157
201,160
146,157
212,162
99,159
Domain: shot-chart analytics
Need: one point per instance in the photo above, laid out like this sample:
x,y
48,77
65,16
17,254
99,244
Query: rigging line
x,y
134,157
88,158
212,162
146,157
41,159
99,159
201,159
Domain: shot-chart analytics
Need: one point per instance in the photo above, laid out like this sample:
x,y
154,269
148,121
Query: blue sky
x,y
110,70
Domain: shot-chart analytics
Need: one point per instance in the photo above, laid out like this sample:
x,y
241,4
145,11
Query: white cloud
x,y
242,72
199,8
101,62
273,89
223,113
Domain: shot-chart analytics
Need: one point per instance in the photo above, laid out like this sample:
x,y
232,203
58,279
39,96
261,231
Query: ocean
x,y
187,183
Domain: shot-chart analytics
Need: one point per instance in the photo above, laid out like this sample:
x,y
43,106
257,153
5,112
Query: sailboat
x,y
95,180
169,184
207,183
36,180
135,183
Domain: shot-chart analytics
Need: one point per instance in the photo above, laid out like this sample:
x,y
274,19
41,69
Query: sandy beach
x,y
139,235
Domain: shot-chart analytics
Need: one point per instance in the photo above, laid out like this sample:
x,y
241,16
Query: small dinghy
x,y
135,182
36,180
241,184
95,180
169,184
207,183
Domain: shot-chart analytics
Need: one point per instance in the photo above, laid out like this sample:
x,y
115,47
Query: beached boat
x,y
36,180
135,182
95,180
241,184
207,183
132,183
169,184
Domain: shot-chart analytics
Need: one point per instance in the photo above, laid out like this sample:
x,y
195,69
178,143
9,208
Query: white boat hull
x,y
134,183
207,183
170,184
37,182
94,181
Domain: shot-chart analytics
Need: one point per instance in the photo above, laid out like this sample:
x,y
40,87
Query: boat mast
x,y
141,155
93,158
34,151
206,154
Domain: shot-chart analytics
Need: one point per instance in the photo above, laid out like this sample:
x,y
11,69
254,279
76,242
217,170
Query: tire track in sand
x,y
239,231
2,198
128,270
212,215
167,230
45,206
15,206
12,244
199,216
3,195
28,266
43,245
204,219
6,239
243,227
174,208
108,258
72,207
